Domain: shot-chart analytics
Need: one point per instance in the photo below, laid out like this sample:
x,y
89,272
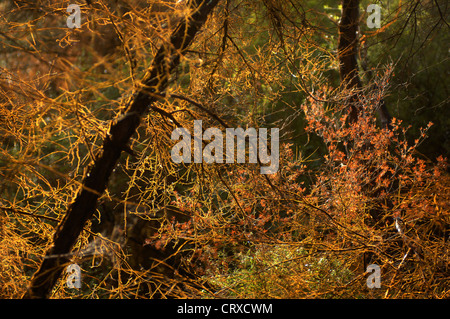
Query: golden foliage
x,y
196,230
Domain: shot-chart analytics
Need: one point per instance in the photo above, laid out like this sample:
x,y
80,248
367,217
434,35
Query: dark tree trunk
x,y
347,53
348,63
95,182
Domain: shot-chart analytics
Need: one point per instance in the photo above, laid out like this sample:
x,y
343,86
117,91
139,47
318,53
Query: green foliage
x,y
282,272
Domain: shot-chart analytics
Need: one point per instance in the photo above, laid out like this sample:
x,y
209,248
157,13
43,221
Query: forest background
x,y
86,116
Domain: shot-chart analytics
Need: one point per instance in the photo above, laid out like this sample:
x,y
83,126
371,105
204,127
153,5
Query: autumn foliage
x,y
201,230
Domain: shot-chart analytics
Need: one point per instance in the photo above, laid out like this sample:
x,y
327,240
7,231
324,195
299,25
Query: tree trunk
x,y
348,62
94,184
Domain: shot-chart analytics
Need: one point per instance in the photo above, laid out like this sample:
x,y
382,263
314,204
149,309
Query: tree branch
x,y
83,207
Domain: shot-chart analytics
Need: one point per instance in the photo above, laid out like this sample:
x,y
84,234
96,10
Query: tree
x,y
88,177
94,184
348,58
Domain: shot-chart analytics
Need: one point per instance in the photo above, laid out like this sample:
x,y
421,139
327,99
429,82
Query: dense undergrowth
x,y
198,230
